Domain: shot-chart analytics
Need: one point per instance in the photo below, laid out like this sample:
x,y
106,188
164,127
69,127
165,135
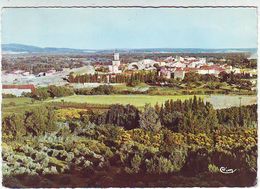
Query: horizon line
x,y
126,48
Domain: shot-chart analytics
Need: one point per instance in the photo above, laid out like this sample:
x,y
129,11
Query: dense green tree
x,y
149,119
244,116
172,120
191,115
40,120
14,125
125,116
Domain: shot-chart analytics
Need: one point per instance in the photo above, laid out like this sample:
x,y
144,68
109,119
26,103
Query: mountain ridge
x,y
22,48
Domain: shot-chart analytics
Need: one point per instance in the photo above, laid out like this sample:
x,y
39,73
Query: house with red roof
x,y
17,90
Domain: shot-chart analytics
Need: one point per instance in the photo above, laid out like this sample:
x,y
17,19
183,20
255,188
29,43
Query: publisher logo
x,y
224,170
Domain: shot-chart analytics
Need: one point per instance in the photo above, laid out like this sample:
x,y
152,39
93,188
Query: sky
x,y
109,28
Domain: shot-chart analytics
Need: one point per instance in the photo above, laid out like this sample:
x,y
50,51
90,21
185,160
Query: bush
x,y
68,114
103,90
159,165
14,126
8,95
83,91
213,168
133,83
12,104
40,120
40,94
59,91
135,164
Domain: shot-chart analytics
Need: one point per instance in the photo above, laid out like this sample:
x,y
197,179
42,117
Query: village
x,y
16,82
173,67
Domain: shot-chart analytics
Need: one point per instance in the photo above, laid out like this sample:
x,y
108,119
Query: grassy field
x,y
17,105
17,101
136,100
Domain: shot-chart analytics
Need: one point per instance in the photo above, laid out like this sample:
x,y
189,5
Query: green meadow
x,y
16,105
136,100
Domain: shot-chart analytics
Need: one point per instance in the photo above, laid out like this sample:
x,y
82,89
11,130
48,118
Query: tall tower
x,y
116,61
116,56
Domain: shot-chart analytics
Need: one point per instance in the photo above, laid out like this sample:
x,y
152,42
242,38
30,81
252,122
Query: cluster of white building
x,y
174,67
114,68
170,62
179,66
145,64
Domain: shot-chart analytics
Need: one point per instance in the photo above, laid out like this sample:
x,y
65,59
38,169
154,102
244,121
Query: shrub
x,y
83,91
159,165
135,164
40,120
40,94
103,90
132,83
8,95
59,91
68,114
14,125
213,168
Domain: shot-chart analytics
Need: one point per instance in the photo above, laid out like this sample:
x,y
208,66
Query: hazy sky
x,y
91,28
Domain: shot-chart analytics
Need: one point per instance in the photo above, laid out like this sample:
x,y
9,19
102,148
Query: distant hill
x,y
21,48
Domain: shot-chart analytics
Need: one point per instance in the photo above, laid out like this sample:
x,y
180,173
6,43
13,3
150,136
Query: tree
x,y
172,120
125,116
58,91
14,125
191,77
149,119
40,94
40,120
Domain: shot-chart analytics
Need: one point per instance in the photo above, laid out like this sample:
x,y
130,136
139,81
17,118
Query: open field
x,y
16,105
136,100
218,101
17,101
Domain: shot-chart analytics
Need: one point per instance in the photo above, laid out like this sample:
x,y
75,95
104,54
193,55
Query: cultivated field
x,y
218,101
16,105
136,100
